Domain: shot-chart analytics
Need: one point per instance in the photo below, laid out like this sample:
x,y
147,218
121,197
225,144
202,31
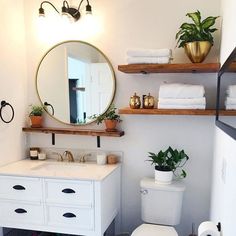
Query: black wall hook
x,y
4,104
50,105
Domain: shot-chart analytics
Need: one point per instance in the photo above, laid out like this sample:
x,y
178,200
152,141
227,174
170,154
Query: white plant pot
x,y
163,177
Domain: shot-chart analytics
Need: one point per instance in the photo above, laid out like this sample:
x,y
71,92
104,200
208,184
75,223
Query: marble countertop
x,y
54,169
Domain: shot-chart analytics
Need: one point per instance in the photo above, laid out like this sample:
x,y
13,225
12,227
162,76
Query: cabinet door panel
x,y
81,218
21,212
20,188
69,192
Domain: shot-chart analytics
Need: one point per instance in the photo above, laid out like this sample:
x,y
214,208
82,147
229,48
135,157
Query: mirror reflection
x,y
74,81
227,91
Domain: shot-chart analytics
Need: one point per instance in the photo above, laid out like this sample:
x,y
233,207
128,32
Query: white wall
x,y
130,24
13,80
223,187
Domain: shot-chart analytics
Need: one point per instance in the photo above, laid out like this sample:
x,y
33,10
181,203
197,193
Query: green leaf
x,y
208,22
183,174
196,17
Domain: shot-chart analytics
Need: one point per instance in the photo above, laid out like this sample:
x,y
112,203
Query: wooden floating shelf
x,y
74,131
207,112
170,68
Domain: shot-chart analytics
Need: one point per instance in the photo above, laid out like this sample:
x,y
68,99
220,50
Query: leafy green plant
x,y
169,160
196,31
110,114
36,110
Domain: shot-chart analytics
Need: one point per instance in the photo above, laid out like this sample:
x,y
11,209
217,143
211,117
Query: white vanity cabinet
x,y
71,206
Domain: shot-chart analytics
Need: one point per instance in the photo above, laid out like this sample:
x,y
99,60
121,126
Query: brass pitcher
x,y
135,102
148,102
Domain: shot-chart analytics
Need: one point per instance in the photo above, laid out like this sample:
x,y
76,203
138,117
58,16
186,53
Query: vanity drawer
x,y
21,212
69,192
20,188
80,218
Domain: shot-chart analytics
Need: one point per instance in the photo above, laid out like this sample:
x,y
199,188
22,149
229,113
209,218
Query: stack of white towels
x,y
149,56
181,96
230,101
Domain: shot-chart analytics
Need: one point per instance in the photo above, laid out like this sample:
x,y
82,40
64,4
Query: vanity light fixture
x,y
66,9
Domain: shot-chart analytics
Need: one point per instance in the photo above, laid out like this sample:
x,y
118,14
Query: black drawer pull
x,y
69,215
18,187
20,210
68,190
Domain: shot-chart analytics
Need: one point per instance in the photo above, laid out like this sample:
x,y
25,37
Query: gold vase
x,y
197,51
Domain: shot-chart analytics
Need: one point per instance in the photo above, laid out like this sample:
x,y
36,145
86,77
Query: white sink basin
x,y
58,167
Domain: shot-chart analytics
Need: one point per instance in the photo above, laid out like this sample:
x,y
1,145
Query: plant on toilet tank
x,y
168,163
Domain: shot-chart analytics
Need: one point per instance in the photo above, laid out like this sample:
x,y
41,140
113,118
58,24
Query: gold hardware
x,y
82,159
197,51
148,102
135,102
69,156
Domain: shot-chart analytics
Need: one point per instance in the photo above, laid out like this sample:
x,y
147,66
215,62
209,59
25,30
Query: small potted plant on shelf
x,y
196,38
167,163
110,118
36,116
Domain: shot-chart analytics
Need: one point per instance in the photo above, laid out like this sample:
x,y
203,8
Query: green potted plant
x,y
110,118
167,163
36,116
196,38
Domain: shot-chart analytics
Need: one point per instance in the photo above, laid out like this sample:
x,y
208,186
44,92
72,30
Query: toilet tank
x,y
161,204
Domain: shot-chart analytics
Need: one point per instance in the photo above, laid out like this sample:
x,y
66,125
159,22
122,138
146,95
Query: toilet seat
x,y
154,230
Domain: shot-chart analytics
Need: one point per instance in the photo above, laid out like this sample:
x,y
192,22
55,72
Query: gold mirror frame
x,y
111,69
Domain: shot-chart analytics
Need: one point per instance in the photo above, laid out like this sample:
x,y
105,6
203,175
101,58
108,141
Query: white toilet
x,y
161,208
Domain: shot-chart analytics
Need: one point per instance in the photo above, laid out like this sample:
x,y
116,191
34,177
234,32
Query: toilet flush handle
x,y
144,191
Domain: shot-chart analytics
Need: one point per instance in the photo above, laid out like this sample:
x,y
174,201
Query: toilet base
x,y
154,230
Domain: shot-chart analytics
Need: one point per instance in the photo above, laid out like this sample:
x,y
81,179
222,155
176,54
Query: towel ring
x,y
3,104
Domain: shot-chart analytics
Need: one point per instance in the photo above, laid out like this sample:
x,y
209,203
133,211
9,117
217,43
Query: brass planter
x,y
197,51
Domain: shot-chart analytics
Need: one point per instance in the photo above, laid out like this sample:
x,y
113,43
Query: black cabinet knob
x,y
18,187
68,190
20,211
69,215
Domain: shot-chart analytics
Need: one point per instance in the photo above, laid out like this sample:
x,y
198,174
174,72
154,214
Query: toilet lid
x,y
154,230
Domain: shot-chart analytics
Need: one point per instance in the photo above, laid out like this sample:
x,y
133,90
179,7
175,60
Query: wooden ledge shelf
x,y
195,112
73,131
170,68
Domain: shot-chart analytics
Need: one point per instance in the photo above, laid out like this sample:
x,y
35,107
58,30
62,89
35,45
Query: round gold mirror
x,y
74,81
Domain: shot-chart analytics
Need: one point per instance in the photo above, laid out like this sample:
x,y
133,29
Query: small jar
x,y
135,102
112,159
34,151
148,101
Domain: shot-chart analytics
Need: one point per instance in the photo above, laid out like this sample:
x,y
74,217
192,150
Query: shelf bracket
x,y
53,139
98,142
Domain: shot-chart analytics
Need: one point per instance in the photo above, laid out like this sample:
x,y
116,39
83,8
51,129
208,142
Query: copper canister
x,y
135,102
148,102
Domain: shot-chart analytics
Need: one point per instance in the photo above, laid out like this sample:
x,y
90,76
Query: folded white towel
x,y
230,101
182,101
149,52
177,90
230,107
177,106
148,60
231,91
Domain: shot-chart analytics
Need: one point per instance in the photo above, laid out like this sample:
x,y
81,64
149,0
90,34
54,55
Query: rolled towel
x,y
230,107
149,52
231,91
182,101
148,60
230,101
177,106
178,90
